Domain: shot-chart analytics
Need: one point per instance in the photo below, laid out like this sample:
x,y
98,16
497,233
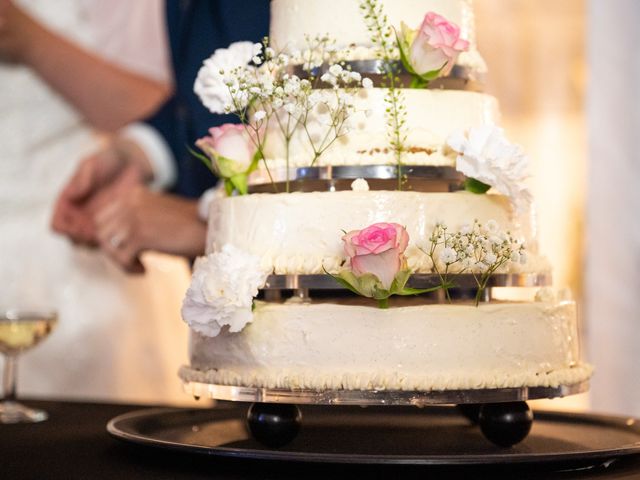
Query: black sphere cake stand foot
x,y
274,424
505,424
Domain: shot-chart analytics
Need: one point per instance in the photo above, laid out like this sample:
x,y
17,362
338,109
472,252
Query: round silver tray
x,y
460,77
379,397
421,280
340,177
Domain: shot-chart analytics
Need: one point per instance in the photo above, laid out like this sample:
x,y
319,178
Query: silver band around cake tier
x,y
379,397
460,77
332,177
420,280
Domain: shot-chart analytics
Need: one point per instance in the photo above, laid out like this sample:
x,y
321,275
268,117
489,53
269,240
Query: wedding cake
x,y
369,208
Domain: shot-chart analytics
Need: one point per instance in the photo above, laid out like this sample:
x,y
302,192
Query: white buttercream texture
x,y
486,155
222,290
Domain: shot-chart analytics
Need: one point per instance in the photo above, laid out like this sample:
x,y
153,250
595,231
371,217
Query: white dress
x,y
119,337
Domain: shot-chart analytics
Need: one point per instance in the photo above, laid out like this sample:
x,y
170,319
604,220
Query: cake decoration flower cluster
x,y
478,249
431,50
488,159
254,82
377,265
426,54
222,290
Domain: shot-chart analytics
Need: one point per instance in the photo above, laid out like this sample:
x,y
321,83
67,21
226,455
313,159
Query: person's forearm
x,y
107,96
189,233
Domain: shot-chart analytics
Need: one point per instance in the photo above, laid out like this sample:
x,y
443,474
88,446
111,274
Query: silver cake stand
x,y
274,418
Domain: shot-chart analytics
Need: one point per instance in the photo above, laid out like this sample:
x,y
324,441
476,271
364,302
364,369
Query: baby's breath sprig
x,y
382,37
267,93
480,250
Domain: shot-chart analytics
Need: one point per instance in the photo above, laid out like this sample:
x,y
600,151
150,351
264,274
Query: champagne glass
x,y
20,331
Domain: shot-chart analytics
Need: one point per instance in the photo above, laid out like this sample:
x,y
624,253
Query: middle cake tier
x,y
433,115
300,233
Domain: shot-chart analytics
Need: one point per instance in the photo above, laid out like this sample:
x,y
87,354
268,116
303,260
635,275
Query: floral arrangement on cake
x,y
377,266
425,53
253,82
270,91
258,85
476,249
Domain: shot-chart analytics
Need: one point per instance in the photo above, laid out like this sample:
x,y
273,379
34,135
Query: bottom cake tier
x,y
319,346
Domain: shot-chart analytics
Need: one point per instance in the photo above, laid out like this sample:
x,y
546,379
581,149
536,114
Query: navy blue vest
x,y
197,28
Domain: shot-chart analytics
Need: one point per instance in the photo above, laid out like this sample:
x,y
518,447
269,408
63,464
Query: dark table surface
x,y
73,443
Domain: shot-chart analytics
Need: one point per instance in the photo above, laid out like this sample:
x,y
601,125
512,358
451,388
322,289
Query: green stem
x,y
417,82
287,142
383,303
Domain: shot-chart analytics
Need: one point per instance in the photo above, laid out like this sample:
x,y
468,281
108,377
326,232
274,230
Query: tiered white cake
x,y
347,342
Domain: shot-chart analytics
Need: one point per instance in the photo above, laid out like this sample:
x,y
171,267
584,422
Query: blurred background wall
x,y
566,74
612,287
535,52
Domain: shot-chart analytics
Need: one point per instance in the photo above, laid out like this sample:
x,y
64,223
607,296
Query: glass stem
x,y
9,379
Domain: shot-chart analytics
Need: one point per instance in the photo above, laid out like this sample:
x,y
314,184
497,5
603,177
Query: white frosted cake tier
x,y
300,233
292,21
426,347
433,115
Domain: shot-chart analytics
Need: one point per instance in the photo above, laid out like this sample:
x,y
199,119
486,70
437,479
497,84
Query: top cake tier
x,y
293,21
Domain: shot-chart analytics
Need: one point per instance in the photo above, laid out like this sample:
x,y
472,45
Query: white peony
x,y
486,155
222,290
214,78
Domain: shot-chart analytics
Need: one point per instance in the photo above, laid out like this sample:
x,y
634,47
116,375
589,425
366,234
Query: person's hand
x,y
141,220
72,216
74,209
16,32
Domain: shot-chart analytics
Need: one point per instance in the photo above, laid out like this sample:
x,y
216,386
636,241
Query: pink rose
x,y
377,249
230,146
436,45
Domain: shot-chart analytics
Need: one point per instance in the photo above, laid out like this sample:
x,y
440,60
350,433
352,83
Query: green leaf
x,y
403,47
417,291
432,75
228,187
475,186
254,162
241,183
203,158
342,282
400,280
418,82
367,285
